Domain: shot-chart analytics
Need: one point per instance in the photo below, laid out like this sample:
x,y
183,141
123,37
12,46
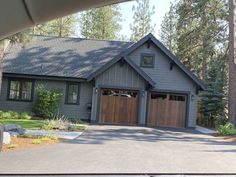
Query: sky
x,y
161,7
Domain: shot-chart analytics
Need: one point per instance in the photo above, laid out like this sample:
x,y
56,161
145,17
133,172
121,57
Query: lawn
x,y
27,124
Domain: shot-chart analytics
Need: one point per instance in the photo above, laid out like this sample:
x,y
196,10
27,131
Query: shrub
x,y
51,137
47,102
57,123
14,115
44,138
227,129
25,115
77,127
36,141
12,146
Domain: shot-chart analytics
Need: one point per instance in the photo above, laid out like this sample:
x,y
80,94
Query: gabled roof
x,y
130,62
61,56
78,57
169,54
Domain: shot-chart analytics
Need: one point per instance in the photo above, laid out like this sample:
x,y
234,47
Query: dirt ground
x,y
22,143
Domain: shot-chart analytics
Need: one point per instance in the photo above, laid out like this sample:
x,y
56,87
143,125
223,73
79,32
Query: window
x,y
20,90
177,97
147,60
72,93
158,96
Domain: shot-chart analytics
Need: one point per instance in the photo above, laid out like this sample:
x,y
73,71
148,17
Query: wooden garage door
x,y
118,107
168,110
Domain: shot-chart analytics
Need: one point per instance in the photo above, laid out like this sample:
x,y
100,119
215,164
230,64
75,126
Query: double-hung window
x,y
20,90
72,93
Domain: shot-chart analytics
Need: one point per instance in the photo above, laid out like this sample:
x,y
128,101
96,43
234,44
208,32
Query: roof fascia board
x,y
44,77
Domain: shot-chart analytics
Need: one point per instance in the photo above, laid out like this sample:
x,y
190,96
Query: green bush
x,y
25,115
227,129
36,141
47,102
14,115
12,146
51,137
44,138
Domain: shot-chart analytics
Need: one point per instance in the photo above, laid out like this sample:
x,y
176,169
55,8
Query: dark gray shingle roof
x,y
63,57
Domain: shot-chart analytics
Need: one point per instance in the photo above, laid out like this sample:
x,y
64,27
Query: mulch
x,y
23,143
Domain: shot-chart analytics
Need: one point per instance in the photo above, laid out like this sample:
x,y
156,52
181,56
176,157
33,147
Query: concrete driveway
x,y
123,149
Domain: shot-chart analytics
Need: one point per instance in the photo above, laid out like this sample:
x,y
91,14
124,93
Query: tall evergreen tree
x,y
101,23
142,23
61,27
213,101
201,44
168,29
232,64
200,29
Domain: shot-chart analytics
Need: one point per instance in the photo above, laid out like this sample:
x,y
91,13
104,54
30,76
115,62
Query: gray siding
x,y
73,111
166,79
121,75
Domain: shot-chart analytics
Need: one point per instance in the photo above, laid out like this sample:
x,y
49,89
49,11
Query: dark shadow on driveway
x,y
107,133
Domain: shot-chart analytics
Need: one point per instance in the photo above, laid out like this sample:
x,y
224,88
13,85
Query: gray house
x,y
110,82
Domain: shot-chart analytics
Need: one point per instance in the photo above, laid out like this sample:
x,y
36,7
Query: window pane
x,y
14,90
158,96
177,97
26,90
73,93
147,61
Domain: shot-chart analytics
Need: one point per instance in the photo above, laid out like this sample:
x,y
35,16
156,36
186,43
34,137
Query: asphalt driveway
x,y
123,149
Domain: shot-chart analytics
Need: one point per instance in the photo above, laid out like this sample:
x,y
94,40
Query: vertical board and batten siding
x,y
166,79
74,111
120,75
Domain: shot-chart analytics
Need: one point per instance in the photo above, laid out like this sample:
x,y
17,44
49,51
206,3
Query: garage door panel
x,y
167,110
121,110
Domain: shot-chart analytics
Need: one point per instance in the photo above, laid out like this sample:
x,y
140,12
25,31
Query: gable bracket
x,y
122,61
149,41
172,64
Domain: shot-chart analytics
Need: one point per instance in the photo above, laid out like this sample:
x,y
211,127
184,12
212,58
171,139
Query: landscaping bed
x,y
22,142
226,132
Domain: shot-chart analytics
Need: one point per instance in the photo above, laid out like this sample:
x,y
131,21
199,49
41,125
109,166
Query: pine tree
x,y
232,64
200,29
168,29
142,23
101,23
61,27
213,101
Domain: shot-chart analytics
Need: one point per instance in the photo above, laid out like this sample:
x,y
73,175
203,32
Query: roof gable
x,y
169,54
130,62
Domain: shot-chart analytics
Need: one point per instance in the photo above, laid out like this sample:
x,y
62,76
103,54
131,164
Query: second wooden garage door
x,y
118,107
168,110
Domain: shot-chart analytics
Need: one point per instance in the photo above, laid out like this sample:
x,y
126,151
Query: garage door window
x,y
177,98
159,96
122,93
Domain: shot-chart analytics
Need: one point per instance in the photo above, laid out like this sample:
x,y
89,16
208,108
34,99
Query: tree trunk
x,y
231,63
1,56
